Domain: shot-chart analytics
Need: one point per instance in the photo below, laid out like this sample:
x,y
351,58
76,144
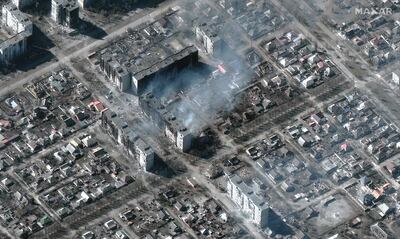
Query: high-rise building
x,y
117,74
173,127
19,26
395,78
255,207
145,154
207,34
84,3
129,139
147,58
65,12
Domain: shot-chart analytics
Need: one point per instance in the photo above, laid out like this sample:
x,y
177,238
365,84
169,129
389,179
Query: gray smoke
x,y
198,94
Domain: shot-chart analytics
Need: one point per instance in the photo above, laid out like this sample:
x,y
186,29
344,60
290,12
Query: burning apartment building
x,y
146,57
125,136
14,34
164,119
207,33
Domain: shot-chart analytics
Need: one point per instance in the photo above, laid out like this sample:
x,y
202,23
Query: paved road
x,y
49,212
232,209
196,173
382,108
87,49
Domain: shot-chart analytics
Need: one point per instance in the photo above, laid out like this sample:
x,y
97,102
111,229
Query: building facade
x,y
15,20
65,12
129,139
21,4
84,3
131,66
145,154
395,78
164,70
117,74
21,29
207,34
138,81
249,203
172,127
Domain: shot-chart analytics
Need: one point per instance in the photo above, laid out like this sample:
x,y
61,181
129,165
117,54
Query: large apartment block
x,y
14,35
164,119
255,207
65,12
129,139
147,58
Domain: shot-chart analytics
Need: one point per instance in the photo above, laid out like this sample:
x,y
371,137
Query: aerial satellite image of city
x,y
200,119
